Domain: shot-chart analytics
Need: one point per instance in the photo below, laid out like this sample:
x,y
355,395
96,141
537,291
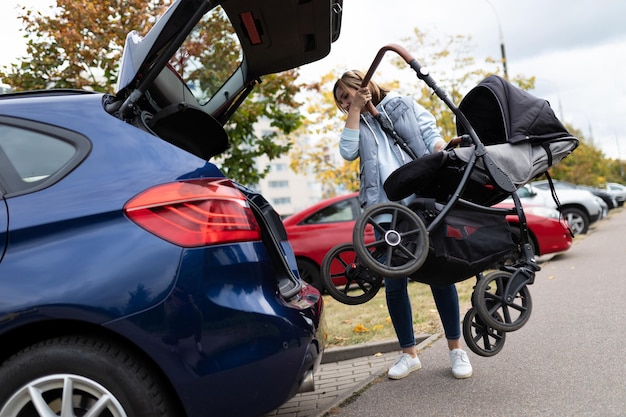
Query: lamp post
x,y
502,51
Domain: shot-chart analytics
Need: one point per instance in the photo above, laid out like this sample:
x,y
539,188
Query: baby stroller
x,y
449,232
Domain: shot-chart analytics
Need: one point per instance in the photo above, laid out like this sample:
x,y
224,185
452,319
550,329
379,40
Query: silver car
x,y
579,207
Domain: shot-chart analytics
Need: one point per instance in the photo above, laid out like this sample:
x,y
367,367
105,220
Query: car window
x,y
29,158
523,192
34,156
564,186
341,211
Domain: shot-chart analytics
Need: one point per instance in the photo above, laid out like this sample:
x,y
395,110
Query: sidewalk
x,y
343,372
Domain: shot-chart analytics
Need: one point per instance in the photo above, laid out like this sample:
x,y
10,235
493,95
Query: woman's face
x,y
344,97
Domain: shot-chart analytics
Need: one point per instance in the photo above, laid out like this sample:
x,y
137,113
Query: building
x,y
287,191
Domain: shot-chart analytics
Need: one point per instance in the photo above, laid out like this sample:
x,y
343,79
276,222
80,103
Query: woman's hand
x,y
361,97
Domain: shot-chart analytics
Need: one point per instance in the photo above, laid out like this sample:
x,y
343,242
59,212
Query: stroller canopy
x,y
500,112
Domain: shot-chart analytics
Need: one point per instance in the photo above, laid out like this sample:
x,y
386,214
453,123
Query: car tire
x,y
94,369
577,220
310,273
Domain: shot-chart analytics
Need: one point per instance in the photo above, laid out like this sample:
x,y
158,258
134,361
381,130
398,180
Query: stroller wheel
x,y
501,302
480,338
346,279
401,244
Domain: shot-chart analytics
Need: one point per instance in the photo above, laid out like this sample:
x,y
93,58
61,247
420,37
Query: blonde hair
x,y
353,79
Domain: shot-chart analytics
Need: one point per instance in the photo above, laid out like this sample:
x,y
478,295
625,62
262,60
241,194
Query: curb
x,y
344,353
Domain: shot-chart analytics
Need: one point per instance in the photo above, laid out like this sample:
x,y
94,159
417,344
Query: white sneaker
x,y
461,367
404,366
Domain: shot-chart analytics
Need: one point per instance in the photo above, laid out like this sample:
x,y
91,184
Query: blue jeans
x,y
399,306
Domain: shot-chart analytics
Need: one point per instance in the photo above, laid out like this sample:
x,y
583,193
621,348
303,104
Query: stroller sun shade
x,y
520,131
499,112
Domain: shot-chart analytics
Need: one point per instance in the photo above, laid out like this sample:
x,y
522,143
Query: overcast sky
x,y
576,49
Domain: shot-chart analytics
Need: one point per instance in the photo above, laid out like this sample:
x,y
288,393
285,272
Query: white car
x,y
579,207
618,191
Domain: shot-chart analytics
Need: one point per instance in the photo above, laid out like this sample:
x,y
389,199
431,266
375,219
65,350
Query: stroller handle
x,y
422,74
379,56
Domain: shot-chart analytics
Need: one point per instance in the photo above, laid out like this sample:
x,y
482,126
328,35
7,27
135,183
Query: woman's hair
x,y
353,79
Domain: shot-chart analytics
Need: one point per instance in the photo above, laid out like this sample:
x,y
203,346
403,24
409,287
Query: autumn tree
x,y
79,44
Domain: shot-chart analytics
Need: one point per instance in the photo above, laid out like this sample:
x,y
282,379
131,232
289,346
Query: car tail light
x,y
195,213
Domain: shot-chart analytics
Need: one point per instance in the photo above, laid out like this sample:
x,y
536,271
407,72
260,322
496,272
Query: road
x,y
568,360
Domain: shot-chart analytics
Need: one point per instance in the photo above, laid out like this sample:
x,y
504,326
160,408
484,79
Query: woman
x,y
379,157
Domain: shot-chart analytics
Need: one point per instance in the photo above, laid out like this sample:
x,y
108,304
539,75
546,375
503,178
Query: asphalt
x,y
343,372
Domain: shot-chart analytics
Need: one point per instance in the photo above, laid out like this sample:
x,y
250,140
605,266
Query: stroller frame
x,y
501,301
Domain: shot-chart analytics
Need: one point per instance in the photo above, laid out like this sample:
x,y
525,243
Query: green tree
x,y
79,44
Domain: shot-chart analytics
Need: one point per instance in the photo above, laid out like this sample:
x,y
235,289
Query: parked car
x,y
618,191
135,279
579,207
548,231
609,199
317,229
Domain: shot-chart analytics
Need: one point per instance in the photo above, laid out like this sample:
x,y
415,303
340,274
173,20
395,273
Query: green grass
x,y
347,325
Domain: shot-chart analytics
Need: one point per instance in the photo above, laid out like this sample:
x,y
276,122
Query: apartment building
x,y
287,191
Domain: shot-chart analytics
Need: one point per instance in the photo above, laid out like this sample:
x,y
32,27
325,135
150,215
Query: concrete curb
x,y
344,353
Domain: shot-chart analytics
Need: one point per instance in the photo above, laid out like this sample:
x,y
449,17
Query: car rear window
x,y
203,69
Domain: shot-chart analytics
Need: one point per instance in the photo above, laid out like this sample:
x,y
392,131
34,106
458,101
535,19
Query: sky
x,y
576,49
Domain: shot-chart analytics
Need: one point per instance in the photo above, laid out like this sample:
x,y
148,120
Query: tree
x,y
79,44
315,148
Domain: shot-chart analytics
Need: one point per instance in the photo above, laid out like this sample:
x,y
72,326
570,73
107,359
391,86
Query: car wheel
x,y
309,272
577,220
71,376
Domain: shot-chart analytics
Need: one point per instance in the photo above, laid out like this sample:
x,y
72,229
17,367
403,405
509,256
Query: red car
x,y
315,230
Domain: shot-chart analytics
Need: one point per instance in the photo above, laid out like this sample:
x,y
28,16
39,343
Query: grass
x,y
347,325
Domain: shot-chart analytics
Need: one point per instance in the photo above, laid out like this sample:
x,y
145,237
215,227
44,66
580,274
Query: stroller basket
x,y
464,244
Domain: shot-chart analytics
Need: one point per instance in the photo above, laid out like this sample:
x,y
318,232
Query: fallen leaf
x,y
360,329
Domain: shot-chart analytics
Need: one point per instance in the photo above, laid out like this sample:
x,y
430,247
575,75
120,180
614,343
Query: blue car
x,y
135,279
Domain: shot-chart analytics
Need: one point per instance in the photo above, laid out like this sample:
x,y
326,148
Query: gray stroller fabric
x,y
522,161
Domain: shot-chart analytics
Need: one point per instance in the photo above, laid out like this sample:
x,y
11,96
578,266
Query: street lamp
x,y
506,73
